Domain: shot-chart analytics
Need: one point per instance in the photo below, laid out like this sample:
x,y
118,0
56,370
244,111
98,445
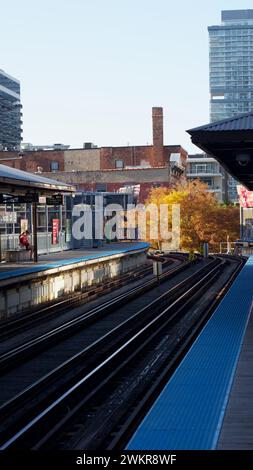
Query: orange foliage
x,y
202,217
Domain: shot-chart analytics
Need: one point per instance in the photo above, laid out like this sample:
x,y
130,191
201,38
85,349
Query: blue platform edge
x,y
66,262
189,412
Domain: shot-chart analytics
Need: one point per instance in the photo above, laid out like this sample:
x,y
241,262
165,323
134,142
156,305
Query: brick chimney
x,y
158,153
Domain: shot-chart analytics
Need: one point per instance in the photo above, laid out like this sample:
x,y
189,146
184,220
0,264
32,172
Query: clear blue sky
x,y
91,70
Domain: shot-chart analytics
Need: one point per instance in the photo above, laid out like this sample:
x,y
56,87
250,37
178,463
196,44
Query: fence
x,y
227,247
45,246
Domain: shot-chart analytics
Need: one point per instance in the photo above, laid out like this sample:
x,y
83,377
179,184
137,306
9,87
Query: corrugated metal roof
x,y
242,122
14,177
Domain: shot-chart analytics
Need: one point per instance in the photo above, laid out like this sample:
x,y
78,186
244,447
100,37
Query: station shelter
x,y
28,202
54,212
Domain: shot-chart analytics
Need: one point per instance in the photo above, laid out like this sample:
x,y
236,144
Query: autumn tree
x,y
202,217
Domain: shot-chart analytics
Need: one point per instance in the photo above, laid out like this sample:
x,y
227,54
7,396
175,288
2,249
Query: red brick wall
x,y
134,156
131,156
31,160
169,149
6,159
144,189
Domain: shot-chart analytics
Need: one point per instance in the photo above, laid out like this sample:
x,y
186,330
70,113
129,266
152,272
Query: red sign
x,y
246,196
55,231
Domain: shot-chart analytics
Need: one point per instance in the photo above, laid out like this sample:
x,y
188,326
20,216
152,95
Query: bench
x,y
13,256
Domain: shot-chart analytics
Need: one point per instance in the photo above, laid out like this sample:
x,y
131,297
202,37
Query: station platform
x,y
208,402
66,258
26,284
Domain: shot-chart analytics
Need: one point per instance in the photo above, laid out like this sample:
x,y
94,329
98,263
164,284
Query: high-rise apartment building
x,y
10,112
231,65
231,70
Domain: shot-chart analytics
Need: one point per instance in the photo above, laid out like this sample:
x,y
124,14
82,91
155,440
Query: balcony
x,y
195,173
214,189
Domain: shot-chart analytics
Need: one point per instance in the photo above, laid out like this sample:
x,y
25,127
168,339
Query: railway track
x,y
57,398
119,435
32,317
19,354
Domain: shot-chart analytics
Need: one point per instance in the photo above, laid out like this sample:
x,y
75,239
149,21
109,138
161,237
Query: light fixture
x,y
243,159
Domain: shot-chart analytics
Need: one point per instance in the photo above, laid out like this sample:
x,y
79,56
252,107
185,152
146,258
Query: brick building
x,y
131,168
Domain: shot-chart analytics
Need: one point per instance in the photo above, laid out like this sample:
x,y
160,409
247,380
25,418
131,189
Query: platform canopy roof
x,y
230,142
15,181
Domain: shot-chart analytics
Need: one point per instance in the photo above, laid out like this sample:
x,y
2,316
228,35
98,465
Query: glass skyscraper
x,y
231,70
10,113
231,64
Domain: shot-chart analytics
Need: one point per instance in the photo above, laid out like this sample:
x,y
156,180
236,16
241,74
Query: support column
x,y
35,231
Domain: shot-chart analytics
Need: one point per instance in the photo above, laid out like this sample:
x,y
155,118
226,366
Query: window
x,y
101,187
42,219
119,164
201,168
54,166
209,182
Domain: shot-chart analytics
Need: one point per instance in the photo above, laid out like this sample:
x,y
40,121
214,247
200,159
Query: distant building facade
x,y
29,146
10,113
133,169
231,71
208,170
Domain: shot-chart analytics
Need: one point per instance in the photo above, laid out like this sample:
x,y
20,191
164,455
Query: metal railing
x,y
227,247
11,242
204,172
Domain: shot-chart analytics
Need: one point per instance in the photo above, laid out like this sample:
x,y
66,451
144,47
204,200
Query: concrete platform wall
x,y
20,293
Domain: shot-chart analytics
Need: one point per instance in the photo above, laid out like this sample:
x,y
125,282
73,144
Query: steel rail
x,y
29,318
20,353
107,365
